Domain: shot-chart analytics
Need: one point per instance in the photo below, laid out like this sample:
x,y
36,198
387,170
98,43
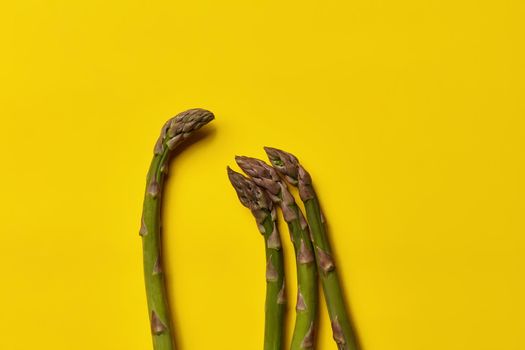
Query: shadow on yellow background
x,y
408,114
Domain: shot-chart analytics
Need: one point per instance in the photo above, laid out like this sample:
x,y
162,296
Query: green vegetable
x,y
288,166
173,133
255,199
307,290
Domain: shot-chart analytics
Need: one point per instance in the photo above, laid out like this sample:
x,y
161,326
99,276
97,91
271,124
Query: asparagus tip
x,y
251,166
198,115
250,195
178,128
261,173
285,163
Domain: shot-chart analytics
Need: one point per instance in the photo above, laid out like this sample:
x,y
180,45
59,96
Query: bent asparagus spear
x,y
255,199
288,166
307,290
173,133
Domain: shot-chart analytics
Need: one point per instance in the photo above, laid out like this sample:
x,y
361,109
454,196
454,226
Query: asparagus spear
x,y
255,199
288,166
173,133
307,291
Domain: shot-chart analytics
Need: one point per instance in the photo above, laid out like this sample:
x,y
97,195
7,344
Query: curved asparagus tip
x,y
289,167
178,128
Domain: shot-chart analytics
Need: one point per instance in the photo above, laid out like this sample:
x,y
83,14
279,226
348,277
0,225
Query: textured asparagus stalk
x,y
255,199
288,166
173,133
307,291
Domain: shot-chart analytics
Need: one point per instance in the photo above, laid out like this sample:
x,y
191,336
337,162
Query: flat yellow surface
x,y
410,115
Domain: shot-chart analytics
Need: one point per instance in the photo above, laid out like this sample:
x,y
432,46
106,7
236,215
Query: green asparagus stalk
x,y
288,166
173,133
255,199
307,291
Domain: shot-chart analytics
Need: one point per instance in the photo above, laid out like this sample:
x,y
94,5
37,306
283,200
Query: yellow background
x,y
409,115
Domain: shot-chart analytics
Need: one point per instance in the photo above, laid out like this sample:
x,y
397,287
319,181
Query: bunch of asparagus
x,y
265,187
264,190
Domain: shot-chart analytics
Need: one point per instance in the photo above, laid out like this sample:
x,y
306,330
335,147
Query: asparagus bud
x,y
172,134
255,199
289,167
307,291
